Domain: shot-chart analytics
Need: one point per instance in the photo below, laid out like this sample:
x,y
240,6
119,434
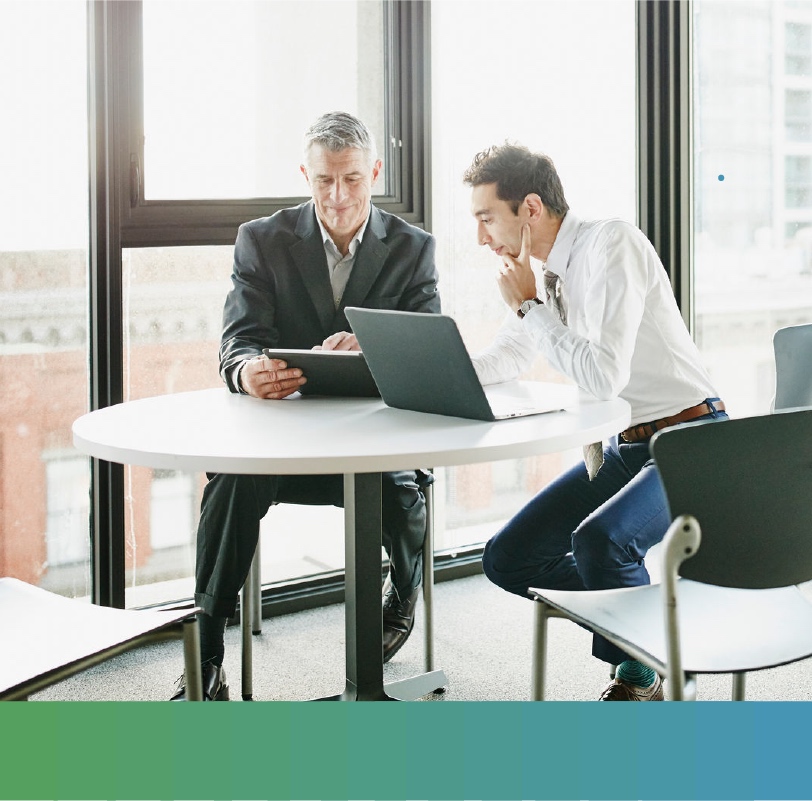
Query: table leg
x,y
362,593
364,626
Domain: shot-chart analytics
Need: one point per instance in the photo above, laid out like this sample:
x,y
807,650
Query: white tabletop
x,y
214,430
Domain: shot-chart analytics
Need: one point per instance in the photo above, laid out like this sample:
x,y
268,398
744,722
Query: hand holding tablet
x,y
342,373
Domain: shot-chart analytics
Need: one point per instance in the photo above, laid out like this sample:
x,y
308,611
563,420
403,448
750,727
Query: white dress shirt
x,y
624,334
338,265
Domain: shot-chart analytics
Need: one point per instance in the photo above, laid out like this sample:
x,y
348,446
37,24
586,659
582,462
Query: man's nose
x,y
482,235
339,190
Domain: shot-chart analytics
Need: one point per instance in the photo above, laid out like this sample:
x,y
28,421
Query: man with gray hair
x,y
294,274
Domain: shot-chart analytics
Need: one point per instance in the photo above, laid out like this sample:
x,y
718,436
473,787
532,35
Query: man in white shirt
x,y
604,315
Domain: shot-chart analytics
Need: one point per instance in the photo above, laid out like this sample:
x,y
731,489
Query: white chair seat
x,y
45,638
722,629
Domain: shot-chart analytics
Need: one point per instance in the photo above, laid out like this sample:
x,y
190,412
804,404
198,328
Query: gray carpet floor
x,y
483,639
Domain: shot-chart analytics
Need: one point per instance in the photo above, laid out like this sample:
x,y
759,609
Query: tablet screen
x,y
330,372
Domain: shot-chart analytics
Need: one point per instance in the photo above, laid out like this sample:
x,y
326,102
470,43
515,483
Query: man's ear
x,y
303,170
534,206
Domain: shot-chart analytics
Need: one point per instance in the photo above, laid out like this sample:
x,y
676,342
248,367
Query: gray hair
x,y
337,131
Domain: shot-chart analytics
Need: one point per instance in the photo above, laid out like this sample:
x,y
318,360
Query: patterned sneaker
x,y
622,691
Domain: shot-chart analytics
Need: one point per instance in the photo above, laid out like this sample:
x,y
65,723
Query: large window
x,y
241,160
205,105
223,114
196,127
532,72
753,188
172,317
44,495
211,100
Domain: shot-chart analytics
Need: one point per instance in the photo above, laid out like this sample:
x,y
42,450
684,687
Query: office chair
x,y
251,596
793,366
738,546
45,638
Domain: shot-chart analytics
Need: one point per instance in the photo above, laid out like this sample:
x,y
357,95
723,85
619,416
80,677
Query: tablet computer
x,y
330,372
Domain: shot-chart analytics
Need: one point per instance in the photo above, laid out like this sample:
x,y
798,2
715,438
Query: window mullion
x,y
106,351
665,208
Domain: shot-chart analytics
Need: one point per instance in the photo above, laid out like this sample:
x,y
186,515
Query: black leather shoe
x,y
398,618
214,685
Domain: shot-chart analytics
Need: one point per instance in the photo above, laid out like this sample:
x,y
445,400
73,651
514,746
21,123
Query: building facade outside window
x,y
753,188
44,489
67,543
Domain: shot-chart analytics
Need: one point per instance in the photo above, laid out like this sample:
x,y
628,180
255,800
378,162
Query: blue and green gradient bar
x,y
413,751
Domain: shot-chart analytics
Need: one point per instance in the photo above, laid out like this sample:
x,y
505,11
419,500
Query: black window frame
x,y
121,218
215,222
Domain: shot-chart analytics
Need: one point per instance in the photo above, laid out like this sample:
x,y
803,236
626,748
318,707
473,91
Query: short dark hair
x,y
517,173
338,130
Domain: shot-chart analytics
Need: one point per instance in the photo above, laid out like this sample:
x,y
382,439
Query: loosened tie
x,y
593,453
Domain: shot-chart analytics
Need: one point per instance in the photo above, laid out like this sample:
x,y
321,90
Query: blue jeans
x,y
578,534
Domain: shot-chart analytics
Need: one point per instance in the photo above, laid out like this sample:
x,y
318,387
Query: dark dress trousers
x,y
282,297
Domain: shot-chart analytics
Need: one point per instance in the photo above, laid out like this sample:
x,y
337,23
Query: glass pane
x,y
173,304
230,88
798,48
753,188
570,94
44,485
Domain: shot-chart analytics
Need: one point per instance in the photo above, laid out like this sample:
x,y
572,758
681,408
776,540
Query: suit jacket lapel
x,y
369,261
308,255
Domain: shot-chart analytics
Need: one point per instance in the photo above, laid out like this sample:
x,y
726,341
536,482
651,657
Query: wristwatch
x,y
527,305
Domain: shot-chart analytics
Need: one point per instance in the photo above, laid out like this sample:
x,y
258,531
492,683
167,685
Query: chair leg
x,y
539,650
689,688
428,579
738,686
191,659
248,607
256,577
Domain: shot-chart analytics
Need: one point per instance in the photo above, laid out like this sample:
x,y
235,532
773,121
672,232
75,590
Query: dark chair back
x,y
793,366
749,484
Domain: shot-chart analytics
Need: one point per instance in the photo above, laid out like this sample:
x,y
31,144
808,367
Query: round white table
x,y
216,431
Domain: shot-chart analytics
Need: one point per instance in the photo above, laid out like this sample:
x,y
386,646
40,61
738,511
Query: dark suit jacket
x,y
281,294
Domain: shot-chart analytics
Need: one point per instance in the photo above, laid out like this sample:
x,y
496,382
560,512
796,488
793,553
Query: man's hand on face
x,y
343,340
270,378
516,279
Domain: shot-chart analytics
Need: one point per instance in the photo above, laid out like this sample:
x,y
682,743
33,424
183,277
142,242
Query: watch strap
x,y
526,305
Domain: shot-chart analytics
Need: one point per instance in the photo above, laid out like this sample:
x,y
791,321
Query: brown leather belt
x,y
644,431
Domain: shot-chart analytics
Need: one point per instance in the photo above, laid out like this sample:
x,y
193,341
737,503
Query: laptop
x,y
420,363
342,373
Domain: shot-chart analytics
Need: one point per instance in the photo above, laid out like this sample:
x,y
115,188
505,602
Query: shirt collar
x,y
559,256
356,240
